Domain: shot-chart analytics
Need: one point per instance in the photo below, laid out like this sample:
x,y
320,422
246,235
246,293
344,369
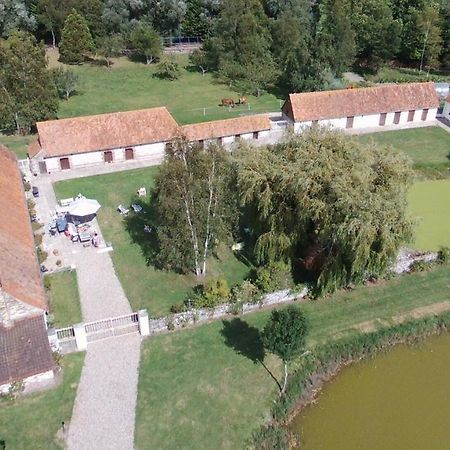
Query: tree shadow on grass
x,y
246,341
142,228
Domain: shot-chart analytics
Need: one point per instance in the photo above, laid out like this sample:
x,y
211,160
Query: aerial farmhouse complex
x,y
388,104
25,353
144,134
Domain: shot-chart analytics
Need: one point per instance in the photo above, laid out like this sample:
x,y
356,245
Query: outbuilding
x,y
371,107
25,353
102,139
253,127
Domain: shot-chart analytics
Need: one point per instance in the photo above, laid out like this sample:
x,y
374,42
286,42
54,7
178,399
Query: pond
x,y
398,400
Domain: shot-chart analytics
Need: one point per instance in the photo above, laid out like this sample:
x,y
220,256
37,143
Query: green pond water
x,y
398,400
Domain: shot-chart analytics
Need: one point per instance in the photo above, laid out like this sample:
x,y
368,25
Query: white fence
x,y
115,326
78,336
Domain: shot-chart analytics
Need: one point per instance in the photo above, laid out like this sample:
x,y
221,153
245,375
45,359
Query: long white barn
x,y
372,107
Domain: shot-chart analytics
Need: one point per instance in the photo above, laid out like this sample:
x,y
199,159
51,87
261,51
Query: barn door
x,y
397,117
108,156
382,121
129,153
64,163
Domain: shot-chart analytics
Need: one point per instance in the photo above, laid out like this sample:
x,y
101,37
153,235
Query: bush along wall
x,y
325,361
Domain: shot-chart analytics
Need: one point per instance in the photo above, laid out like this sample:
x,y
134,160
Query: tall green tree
x,y
240,45
14,14
300,69
146,42
27,94
196,21
284,335
377,32
334,207
76,40
336,35
51,15
192,200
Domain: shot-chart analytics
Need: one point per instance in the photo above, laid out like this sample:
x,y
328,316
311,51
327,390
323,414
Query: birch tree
x,y
193,203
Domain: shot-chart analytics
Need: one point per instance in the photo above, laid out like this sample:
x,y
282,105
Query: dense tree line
x,y
254,45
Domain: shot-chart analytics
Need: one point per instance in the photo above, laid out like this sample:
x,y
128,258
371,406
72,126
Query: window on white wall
x,y
411,115
349,123
382,121
424,114
397,117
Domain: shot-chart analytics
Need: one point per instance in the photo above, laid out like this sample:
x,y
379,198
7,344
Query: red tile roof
x,y
105,131
19,268
227,127
24,350
360,101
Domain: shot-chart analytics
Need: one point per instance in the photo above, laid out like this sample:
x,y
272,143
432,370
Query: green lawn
x,y
132,86
32,422
429,146
18,144
197,392
64,299
145,286
429,202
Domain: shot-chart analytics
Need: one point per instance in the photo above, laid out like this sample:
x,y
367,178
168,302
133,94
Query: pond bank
x,y
325,361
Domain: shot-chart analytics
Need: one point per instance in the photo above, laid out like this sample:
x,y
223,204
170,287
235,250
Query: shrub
x,y
47,283
38,239
58,262
36,226
246,292
27,186
168,69
270,437
210,294
178,308
420,266
41,254
274,276
444,255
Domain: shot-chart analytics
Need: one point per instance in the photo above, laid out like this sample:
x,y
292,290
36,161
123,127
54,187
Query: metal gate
x,y
115,326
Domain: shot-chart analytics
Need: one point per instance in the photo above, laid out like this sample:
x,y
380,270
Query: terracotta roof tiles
x,y
19,269
24,350
360,101
106,131
228,127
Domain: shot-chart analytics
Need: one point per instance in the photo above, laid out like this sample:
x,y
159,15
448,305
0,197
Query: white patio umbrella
x,y
83,207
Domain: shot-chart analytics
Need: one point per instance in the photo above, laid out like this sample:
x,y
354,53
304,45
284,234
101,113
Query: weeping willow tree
x,y
328,202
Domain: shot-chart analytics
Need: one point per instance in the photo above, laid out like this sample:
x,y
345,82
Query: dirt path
x,y
416,313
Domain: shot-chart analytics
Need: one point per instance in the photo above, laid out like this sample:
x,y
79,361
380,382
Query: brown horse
x,y
242,100
227,102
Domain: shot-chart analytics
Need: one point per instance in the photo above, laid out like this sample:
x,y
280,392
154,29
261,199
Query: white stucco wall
x,y
263,134
30,382
96,158
446,110
371,121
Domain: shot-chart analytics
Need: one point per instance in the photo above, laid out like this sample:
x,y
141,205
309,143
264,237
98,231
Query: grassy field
x,y
129,85
18,144
427,147
64,299
32,422
209,391
429,202
145,286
